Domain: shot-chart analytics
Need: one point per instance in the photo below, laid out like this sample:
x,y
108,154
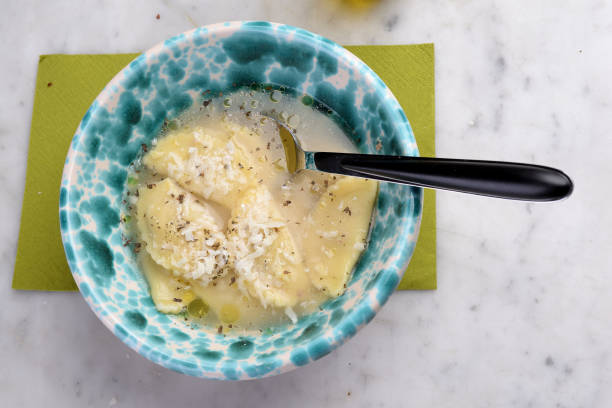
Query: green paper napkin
x,y
67,84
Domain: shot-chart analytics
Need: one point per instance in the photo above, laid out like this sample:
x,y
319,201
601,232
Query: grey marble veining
x,y
522,314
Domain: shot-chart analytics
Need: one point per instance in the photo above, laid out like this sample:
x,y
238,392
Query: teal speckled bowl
x,y
159,85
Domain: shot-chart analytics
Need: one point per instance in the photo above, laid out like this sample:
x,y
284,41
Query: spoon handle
x,y
515,181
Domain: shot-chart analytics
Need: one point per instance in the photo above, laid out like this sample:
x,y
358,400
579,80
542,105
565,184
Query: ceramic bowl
x,y
159,85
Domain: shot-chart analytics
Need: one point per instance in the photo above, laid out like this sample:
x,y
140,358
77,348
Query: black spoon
x,y
515,181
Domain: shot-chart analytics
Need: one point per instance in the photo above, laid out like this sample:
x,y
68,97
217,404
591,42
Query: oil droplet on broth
x,y
293,121
229,313
197,308
275,96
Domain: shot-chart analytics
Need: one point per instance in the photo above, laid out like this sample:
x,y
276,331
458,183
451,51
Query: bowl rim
x,y
111,321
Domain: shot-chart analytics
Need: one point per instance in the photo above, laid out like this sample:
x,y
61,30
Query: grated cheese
x,y
359,246
291,314
327,234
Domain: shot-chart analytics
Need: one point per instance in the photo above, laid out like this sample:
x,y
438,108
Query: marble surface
x,y
522,314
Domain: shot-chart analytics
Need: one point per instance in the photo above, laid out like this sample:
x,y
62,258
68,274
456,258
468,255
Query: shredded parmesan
x,y
291,314
328,234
